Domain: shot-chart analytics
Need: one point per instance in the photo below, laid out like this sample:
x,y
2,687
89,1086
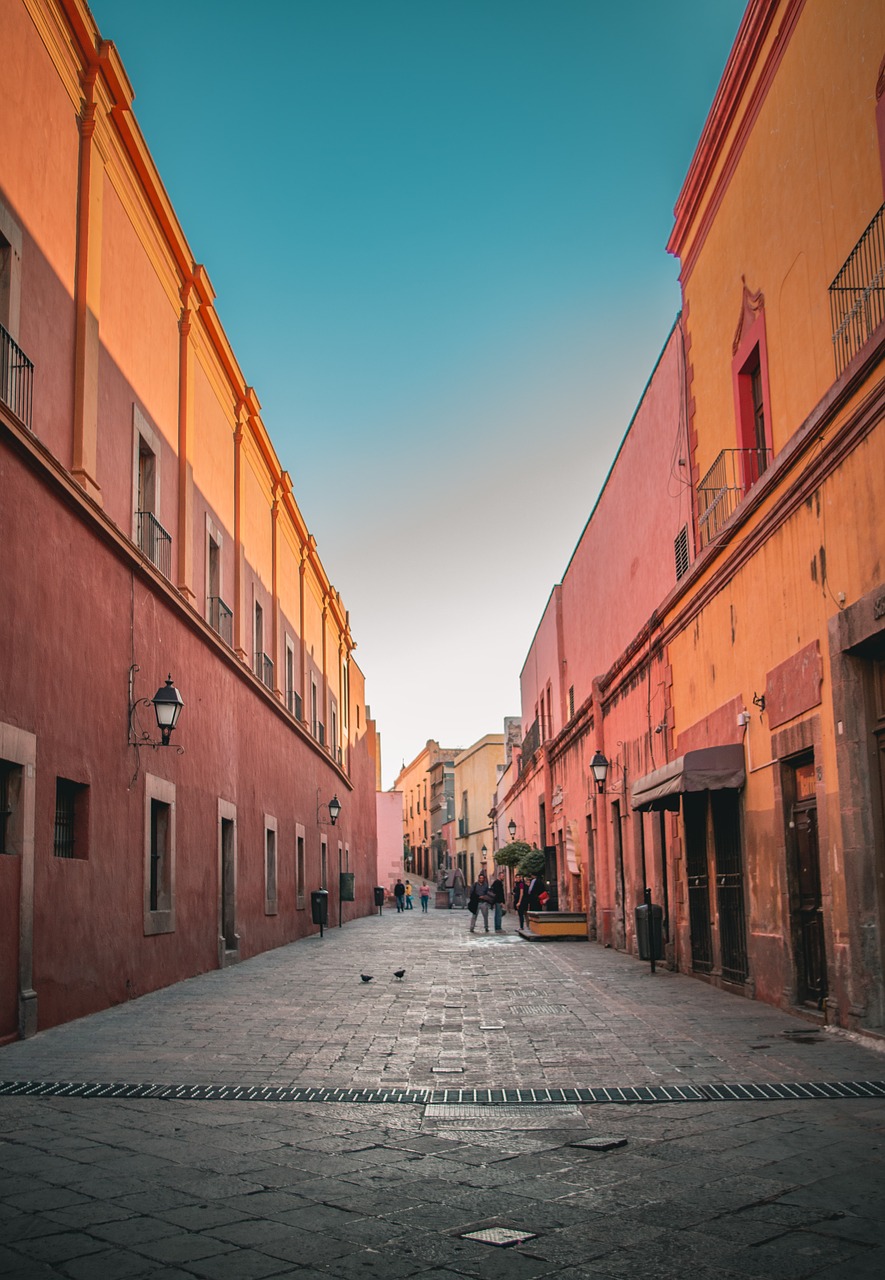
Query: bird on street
x,y
367,977
399,973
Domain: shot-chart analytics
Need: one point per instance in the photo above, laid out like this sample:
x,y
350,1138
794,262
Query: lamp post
x,y
511,827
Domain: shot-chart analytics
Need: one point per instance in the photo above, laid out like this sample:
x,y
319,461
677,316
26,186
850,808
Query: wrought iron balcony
x,y
264,669
16,378
154,541
857,295
722,488
221,619
530,744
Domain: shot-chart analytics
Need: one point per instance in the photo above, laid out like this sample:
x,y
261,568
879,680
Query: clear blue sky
x,y
436,232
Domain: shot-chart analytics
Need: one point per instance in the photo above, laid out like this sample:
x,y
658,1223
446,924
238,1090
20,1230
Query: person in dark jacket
x,y
480,901
500,895
535,889
399,892
520,899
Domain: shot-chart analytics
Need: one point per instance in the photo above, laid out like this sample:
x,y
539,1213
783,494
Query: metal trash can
x,y
646,936
319,906
379,895
345,886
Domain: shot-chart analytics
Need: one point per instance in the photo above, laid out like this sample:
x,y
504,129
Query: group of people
x,y
528,895
402,894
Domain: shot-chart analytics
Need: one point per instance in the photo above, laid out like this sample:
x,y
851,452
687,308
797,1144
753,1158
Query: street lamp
x,y
167,703
511,827
485,855
599,769
167,706
333,808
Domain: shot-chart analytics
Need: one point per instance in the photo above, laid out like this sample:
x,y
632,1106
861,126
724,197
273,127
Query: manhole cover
x,y
501,1236
599,1144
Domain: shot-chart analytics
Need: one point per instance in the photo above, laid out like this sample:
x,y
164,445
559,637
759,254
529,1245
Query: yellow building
x,y
477,771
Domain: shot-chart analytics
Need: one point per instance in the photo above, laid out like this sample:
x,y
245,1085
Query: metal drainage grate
x,y
505,1117
629,1094
503,1237
537,1010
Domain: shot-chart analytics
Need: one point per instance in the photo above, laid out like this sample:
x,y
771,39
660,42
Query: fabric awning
x,y
708,769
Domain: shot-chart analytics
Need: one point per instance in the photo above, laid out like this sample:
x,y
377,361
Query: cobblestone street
x,y
284,1117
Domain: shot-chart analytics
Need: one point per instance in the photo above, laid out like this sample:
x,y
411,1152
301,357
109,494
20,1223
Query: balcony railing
x,y
857,295
16,378
221,619
530,744
293,703
724,485
264,669
154,541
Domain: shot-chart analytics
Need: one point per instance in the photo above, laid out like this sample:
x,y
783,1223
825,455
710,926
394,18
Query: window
x,y
324,870
333,738
571,701
293,698
161,824
299,867
159,855
750,378
10,807
218,614
70,819
680,550
148,534
314,718
270,865
259,641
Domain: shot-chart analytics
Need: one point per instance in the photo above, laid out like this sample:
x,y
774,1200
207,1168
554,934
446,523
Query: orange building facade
x,y
777,646
148,527
719,636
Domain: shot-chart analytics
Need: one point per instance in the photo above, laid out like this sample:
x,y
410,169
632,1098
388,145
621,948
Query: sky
x,y
436,231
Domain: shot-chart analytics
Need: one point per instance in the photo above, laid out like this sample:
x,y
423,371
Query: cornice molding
x,y
734,111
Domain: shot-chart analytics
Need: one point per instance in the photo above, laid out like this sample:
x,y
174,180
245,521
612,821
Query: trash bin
x,y
345,886
319,906
645,937
379,895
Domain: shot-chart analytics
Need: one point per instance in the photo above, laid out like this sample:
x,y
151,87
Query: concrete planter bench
x,y
556,924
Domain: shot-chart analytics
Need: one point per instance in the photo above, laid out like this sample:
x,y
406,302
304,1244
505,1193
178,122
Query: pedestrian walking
x,y
520,899
481,898
499,893
424,896
399,893
409,896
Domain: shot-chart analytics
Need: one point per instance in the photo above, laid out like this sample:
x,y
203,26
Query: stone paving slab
x,y
142,1187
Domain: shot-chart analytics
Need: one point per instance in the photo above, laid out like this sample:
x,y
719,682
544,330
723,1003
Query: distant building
x,y
419,853
475,779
